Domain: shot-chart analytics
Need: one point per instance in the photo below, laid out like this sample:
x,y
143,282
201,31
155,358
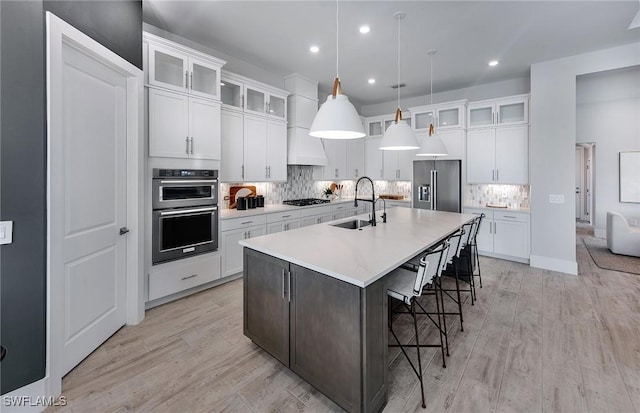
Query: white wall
x,y
508,87
552,114
608,114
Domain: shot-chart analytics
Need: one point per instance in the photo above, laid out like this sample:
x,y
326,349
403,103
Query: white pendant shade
x,y
432,146
337,119
399,137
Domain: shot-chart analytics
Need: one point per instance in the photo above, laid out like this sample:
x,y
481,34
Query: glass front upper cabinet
x,y
204,78
374,127
255,100
277,106
510,111
231,93
449,118
167,68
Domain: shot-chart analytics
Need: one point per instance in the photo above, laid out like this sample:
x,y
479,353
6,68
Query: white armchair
x,y
622,238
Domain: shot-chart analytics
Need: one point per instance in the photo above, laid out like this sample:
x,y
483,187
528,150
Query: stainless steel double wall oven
x,y
185,213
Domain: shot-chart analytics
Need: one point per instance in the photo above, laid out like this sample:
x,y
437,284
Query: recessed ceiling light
x,y
371,81
493,63
314,49
365,29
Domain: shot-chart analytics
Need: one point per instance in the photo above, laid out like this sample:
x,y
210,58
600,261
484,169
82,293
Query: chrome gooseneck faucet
x,y
372,200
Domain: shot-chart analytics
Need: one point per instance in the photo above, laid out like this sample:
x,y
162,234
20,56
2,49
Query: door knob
x,y
124,230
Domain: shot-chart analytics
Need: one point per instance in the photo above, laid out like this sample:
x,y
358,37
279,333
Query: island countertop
x,y
360,257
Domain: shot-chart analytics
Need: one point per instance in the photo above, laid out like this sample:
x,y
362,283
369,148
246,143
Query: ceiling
x,y
276,36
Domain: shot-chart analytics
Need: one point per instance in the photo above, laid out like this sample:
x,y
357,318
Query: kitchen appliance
x,y
251,202
437,185
185,213
260,201
305,201
241,203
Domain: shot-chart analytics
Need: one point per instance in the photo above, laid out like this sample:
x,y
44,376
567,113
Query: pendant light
x,y
432,145
337,118
399,136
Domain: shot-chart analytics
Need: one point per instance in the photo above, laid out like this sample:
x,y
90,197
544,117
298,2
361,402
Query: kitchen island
x,y
315,298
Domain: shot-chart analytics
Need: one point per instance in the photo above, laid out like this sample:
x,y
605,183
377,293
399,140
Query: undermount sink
x,y
353,224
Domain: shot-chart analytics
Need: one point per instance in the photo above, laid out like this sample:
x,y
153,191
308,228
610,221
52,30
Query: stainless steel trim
x,y
510,216
434,189
289,284
493,174
186,141
242,171
189,276
187,211
194,181
190,246
186,79
192,145
191,82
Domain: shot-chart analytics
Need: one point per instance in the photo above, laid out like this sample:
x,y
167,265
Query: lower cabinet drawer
x,y
173,277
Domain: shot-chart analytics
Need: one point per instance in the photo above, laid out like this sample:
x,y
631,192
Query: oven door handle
x,y
192,181
187,211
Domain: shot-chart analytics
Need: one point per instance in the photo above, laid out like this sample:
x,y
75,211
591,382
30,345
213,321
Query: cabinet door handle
x,y
246,222
497,175
186,79
493,175
192,145
191,82
242,173
289,284
265,172
242,101
186,141
356,172
286,227
283,289
189,276
269,171
495,228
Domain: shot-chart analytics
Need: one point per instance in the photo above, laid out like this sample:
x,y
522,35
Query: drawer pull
x,y
246,222
509,216
189,276
286,216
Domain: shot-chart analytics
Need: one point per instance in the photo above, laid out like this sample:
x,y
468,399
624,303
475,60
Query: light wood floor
x,y
536,341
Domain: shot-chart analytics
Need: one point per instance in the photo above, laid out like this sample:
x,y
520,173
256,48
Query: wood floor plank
x,y
534,341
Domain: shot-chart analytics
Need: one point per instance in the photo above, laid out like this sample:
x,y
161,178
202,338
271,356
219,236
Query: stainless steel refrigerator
x,y
437,185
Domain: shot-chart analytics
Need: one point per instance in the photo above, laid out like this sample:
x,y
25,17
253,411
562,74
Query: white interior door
x,y
91,204
94,125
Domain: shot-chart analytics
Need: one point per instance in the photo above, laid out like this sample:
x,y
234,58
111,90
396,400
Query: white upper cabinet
x,y
176,67
375,126
373,162
498,155
181,126
444,116
498,112
355,158
232,94
232,163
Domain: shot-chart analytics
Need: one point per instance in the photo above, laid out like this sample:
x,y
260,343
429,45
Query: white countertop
x,y
361,257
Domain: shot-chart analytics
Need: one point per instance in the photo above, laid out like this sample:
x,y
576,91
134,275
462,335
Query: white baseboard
x,y
31,398
554,264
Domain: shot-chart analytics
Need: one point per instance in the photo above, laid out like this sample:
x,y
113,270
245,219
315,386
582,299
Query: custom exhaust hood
x,y
302,106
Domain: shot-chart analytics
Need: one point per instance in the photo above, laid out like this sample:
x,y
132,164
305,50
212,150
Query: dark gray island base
x,y
329,332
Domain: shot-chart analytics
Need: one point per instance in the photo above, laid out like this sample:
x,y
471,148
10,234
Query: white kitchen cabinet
x,y
503,234
182,126
444,116
261,101
316,219
373,162
355,167
375,126
498,155
232,137
453,140
283,221
175,276
254,148
173,66
398,165
336,167
231,93
512,110
231,232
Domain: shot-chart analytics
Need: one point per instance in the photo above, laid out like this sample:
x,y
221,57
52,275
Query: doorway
x,y
94,273
585,194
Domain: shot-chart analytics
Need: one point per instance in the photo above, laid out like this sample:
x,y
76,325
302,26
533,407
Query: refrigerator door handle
x,y
434,189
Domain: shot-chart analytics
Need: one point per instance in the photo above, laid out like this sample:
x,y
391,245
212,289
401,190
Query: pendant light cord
x,y
398,83
337,37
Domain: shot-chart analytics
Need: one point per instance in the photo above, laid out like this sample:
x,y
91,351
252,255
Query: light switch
x,y
556,199
6,232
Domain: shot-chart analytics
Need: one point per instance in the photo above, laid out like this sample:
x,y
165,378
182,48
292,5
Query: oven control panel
x,y
185,173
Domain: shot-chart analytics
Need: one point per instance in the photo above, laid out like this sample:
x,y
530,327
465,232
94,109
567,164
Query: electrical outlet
x,y
6,232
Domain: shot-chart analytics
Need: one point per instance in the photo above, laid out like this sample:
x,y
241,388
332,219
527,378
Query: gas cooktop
x,y
305,201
